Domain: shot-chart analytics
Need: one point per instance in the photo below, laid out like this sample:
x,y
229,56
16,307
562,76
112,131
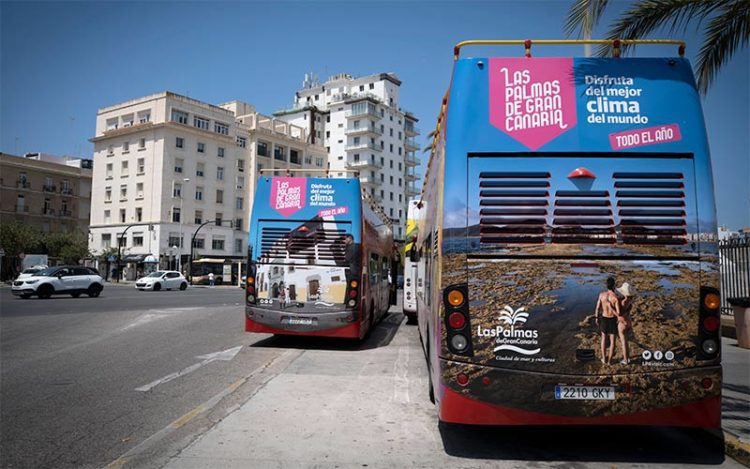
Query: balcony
x,y
23,184
48,211
361,146
66,213
22,209
363,165
47,188
411,160
410,145
412,190
366,130
369,181
411,176
411,131
369,112
66,191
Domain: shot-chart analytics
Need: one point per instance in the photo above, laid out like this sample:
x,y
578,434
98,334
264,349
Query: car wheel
x,y
157,286
183,286
75,295
45,291
94,290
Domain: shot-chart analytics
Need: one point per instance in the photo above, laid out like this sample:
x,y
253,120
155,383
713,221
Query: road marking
x,y
283,360
224,355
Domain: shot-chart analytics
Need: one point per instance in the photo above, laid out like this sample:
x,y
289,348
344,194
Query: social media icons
x,y
657,356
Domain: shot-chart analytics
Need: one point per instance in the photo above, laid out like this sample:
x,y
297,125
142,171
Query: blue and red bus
x,y
319,258
568,239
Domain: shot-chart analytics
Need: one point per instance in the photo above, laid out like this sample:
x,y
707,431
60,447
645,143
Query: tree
x,y
727,27
70,247
17,238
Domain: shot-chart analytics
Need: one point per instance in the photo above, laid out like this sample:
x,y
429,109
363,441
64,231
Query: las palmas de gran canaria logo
x,y
510,337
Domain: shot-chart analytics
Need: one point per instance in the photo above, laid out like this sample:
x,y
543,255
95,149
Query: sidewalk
x,y
735,400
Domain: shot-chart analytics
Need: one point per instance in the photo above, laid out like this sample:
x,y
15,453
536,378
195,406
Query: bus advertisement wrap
x,y
585,241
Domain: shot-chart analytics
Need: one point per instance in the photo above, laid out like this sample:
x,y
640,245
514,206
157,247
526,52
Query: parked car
x,y
61,280
162,279
28,273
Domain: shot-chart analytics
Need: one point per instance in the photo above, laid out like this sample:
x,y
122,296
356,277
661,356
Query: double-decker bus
x,y
319,258
410,267
568,239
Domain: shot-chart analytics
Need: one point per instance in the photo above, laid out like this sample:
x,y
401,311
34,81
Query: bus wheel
x,y
432,392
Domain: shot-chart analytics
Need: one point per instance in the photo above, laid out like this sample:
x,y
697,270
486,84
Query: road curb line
x,y
288,356
737,449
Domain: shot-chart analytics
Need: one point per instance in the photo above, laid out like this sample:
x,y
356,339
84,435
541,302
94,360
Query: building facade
x,y
169,168
364,129
49,192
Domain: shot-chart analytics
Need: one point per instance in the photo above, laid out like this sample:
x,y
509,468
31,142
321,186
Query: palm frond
x,y
583,16
646,16
726,33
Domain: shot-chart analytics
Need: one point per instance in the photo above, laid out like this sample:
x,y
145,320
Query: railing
x,y
66,213
48,211
361,146
22,209
411,160
47,188
69,191
411,144
371,129
23,184
734,268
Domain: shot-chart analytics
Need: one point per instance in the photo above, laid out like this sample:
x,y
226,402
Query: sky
x,y
61,61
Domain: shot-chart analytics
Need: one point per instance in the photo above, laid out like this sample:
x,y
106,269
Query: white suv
x,y
61,280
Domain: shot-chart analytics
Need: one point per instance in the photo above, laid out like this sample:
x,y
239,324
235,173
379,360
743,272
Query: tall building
x,y
166,164
364,129
52,193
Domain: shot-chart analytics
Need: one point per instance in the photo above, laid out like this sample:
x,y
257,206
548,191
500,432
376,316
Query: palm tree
x,y
726,31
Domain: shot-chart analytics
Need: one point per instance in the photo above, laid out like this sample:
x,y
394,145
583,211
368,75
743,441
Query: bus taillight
x,y
456,303
250,291
710,324
353,293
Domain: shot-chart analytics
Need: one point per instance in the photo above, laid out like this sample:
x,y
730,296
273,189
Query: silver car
x,y
162,280
64,280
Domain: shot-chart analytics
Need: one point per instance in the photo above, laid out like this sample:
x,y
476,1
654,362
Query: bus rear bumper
x,y
335,324
664,404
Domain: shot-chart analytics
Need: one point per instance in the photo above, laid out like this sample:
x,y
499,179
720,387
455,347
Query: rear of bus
x,y
410,266
304,257
586,194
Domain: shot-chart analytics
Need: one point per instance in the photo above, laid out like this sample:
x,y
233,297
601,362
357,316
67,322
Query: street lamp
x,y
182,215
119,250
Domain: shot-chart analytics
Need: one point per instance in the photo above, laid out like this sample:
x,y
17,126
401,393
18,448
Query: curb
x,y
737,449
728,327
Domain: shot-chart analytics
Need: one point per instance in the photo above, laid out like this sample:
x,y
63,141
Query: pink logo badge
x,y
288,195
532,100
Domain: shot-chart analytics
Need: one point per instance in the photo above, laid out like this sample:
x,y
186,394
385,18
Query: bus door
x,y
555,241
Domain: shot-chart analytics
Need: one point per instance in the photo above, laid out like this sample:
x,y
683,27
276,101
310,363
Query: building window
x,y
174,240
142,144
139,190
391,164
107,216
279,153
126,147
217,244
178,165
220,173
144,117
108,194
198,193
179,117
137,239
294,156
199,243
106,240
217,219
240,182
400,198
138,214
220,152
391,179
220,128
239,203
399,167
399,151
308,160
319,162
175,216
391,195
199,169
201,147
198,217
141,165
179,142
110,150
238,224
241,142
241,166
200,122
123,169
177,190
238,245
219,196
122,215
124,192
399,182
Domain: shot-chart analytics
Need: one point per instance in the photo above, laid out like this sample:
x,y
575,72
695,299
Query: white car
x,y
162,279
62,280
28,273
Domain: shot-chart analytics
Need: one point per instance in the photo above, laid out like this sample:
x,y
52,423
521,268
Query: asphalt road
x,y
127,380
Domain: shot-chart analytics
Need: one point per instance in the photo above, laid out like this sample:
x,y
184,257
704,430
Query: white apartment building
x,y
168,167
364,129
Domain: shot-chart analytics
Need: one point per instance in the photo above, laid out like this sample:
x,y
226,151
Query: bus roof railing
x,y
527,43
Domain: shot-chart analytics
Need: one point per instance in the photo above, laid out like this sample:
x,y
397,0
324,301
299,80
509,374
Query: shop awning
x,y
134,258
206,260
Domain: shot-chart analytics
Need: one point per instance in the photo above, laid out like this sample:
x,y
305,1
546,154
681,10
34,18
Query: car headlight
x,y
32,281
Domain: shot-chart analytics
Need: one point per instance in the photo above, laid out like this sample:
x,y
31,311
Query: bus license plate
x,y
596,393
301,321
